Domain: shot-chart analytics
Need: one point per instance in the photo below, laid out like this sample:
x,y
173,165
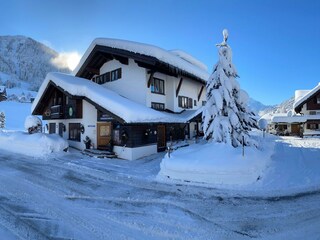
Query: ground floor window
x,y
312,126
157,106
52,128
74,131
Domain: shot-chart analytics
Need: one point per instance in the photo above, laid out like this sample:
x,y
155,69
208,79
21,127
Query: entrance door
x,y
104,131
295,129
161,138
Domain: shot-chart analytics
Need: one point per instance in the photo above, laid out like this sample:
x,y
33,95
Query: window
x,y
318,100
157,86
313,112
195,102
204,103
185,102
158,106
312,126
74,131
52,128
108,76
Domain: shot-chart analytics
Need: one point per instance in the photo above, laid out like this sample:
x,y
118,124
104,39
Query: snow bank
x,y
217,164
32,121
35,145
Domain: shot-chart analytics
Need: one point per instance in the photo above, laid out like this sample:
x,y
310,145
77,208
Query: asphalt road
x,y
71,196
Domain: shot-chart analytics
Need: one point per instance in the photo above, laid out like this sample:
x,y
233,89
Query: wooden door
x,y
161,138
104,131
295,129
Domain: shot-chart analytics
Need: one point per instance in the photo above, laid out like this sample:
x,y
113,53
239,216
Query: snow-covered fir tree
x,y
226,117
2,120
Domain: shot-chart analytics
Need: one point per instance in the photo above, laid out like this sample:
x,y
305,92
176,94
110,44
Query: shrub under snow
x,y
36,145
33,124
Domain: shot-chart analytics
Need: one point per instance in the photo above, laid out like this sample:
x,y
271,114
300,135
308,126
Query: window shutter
x,y
190,102
119,73
180,101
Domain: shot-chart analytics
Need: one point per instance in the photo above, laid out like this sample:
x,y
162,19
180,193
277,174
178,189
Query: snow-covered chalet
x,y
304,120
126,96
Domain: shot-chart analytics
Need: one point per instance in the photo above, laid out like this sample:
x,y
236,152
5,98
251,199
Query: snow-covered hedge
x,y
37,145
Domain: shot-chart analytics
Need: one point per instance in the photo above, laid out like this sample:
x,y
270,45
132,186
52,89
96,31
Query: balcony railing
x,y
56,111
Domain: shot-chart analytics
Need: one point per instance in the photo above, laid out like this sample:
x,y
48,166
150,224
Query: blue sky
x,y
274,42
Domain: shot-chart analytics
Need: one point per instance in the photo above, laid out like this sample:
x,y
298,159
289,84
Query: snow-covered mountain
x,y
257,106
282,108
25,59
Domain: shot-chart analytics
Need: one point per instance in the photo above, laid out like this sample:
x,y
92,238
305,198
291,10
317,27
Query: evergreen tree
x,y
226,117
2,120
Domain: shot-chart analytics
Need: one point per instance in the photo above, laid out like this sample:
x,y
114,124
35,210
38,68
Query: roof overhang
x,y
101,54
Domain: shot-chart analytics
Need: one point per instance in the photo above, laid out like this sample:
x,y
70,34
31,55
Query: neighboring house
x,y
132,96
305,120
3,93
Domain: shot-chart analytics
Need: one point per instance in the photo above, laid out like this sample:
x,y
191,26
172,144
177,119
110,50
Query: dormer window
x,y
157,86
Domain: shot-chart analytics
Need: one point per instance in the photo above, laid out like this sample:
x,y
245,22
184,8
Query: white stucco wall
x,y
89,122
191,89
134,153
134,80
132,83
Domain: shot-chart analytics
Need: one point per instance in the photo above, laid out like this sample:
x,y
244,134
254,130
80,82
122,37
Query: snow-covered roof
x,y
301,96
177,59
129,111
289,119
2,88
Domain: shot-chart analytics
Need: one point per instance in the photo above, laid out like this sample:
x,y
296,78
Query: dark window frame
x,y
312,126
108,76
158,106
185,102
75,132
157,86
52,128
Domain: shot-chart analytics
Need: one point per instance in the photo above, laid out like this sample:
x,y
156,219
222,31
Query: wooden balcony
x,y
56,112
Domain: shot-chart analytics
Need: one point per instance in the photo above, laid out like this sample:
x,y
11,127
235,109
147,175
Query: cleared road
x,y
72,196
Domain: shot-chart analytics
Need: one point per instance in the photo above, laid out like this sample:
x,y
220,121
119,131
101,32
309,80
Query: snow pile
x,y
217,163
35,145
32,121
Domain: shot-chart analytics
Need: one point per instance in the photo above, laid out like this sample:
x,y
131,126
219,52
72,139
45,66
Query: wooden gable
x,y
102,54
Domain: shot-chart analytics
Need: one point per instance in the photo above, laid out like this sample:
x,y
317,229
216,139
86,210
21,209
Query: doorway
x,y
161,141
104,131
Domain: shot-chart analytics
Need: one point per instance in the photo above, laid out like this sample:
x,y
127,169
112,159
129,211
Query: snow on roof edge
x,y
149,50
306,96
129,111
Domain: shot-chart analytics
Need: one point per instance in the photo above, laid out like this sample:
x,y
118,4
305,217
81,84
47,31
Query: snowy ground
x,y
72,196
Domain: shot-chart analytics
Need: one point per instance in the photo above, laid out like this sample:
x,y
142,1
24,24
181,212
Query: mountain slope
x,y
257,106
26,59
